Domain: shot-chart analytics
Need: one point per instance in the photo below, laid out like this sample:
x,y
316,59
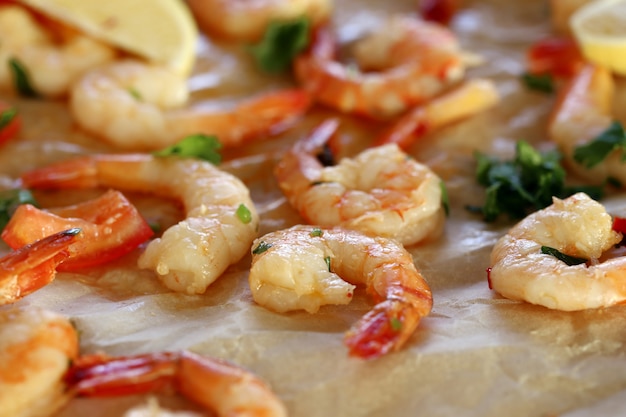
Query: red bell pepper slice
x,y
10,122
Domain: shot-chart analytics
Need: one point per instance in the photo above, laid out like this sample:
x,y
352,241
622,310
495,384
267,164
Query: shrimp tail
x,y
33,266
74,173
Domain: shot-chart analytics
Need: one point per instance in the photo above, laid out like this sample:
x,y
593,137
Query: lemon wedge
x,y
160,31
600,29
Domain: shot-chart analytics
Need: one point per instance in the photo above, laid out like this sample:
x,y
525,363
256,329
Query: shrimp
x,y
578,227
470,98
412,61
137,106
221,219
51,67
214,384
304,267
36,350
244,20
381,192
583,112
33,266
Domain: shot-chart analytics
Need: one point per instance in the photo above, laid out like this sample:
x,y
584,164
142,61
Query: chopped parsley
x,y
195,146
396,324
445,200
261,247
327,260
281,43
21,79
316,232
523,185
569,260
6,116
539,82
594,152
244,214
10,200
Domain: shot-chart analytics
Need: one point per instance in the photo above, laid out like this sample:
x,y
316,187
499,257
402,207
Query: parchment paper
x,y
475,355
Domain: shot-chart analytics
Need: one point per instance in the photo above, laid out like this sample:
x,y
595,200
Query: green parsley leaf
x,y
327,260
135,93
539,82
569,260
244,214
396,324
594,152
445,199
21,79
281,43
316,232
10,200
522,185
6,116
195,146
261,247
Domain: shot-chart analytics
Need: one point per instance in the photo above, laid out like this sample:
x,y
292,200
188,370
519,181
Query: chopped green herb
x,y
10,200
261,247
6,116
522,185
21,79
327,260
594,152
445,200
195,146
569,260
155,227
317,232
281,43
244,214
539,82
135,93
396,324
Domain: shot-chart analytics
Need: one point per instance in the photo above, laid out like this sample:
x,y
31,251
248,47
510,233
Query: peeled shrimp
x,y
576,226
584,111
221,219
139,106
216,385
410,61
33,266
244,20
36,350
51,66
381,192
304,267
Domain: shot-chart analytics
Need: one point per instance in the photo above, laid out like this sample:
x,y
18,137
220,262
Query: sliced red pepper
x,y
111,227
10,122
557,56
619,224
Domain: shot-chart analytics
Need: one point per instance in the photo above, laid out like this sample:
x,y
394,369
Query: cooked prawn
x,y
576,226
584,111
36,350
216,385
244,20
139,106
221,219
51,66
381,192
33,266
470,98
411,61
304,267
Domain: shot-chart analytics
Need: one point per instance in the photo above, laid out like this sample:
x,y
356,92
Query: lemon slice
x,y
161,31
600,28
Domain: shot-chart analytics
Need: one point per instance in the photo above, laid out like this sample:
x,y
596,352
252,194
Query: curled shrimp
x,y
242,20
582,113
221,219
51,66
304,267
405,63
138,106
33,266
36,350
216,385
579,227
381,192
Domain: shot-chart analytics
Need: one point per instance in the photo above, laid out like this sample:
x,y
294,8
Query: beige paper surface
x,y
475,355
